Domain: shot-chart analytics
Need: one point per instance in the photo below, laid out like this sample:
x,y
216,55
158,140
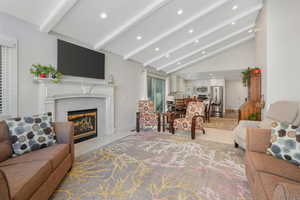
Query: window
x,y
156,92
3,91
8,78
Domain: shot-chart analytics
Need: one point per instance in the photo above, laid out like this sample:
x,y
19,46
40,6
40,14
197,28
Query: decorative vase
x,y
43,75
53,76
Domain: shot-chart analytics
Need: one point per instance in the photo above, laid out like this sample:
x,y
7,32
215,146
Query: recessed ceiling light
x,y
196,41
179,63
250,31
203,52
191,31
179,12
103,15
156,49
233,23
139,37
167,55
235,7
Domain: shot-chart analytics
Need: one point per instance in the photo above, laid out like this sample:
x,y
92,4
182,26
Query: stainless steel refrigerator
x,y
217,101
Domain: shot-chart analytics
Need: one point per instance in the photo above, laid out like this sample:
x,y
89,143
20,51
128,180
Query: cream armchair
x,y
282,111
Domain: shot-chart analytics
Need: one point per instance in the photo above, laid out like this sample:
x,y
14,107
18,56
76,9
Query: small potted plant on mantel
x,y
45,72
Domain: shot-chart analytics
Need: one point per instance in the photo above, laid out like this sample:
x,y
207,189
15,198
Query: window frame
x,y
11,76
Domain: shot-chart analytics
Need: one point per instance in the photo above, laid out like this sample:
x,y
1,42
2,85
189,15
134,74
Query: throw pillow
x,y
31,133
285,142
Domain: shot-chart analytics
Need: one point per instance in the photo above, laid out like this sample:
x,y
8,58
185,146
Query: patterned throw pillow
x,y
31,133
285,142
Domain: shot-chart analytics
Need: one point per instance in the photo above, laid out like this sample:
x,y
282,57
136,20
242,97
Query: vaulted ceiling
x,y
165,34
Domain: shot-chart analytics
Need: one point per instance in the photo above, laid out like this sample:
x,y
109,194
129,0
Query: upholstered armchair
x,y
287,112
146,117
193,119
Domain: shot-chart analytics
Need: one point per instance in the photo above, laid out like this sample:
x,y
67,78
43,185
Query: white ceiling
x,y
156,21
226,75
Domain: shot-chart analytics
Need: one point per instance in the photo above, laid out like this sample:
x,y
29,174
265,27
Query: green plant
x,y
57,77
46,71
247,74
254,116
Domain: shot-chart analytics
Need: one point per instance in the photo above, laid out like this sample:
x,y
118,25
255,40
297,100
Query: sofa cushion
x,y
5,145
283,111
55,154
285,142
25,178
31,133
269,182
266,163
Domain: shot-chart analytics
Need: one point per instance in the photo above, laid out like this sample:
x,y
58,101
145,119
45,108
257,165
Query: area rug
x,y
221,123
152,166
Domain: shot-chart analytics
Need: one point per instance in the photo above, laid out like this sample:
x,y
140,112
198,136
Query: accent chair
x,y
193,119
146,117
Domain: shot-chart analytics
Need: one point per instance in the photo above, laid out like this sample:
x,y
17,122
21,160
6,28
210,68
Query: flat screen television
x,y
74,60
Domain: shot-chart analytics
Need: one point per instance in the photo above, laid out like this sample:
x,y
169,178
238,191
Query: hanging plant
x,y
247,74
44,71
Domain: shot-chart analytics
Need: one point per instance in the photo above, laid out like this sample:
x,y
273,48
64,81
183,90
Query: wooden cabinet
x,y
252,105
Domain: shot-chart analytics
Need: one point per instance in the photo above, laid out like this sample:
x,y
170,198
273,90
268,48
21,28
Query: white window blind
x,y
3,80
8,77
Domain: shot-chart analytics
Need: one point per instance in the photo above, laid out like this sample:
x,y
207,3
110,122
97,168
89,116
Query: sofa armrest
x,y
286,191
258,140
249,123
65,134
4,188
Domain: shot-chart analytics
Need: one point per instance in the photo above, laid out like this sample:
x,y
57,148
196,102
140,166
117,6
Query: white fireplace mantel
x,y
50,93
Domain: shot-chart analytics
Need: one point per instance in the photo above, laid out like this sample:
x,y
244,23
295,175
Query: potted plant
x,y
254,116
247,74
44,71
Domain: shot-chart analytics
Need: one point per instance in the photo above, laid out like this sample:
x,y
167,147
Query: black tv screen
x,y
74,60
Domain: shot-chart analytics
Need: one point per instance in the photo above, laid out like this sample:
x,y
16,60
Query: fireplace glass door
x,y
85,124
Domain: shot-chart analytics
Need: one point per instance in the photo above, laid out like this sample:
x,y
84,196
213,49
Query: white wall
x,y
283,48
37,47
261,48
235,94
239,57
177,84
33,47
127,76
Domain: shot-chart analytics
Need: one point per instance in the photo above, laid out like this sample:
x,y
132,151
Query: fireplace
x,y
85,124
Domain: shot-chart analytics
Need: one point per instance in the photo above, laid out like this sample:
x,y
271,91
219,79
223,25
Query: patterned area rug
x,y
222,123
151,166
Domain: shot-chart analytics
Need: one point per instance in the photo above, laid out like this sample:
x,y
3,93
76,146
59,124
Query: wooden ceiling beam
x,y
176,28
206,33
130,23
207,46
212,53
57,14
